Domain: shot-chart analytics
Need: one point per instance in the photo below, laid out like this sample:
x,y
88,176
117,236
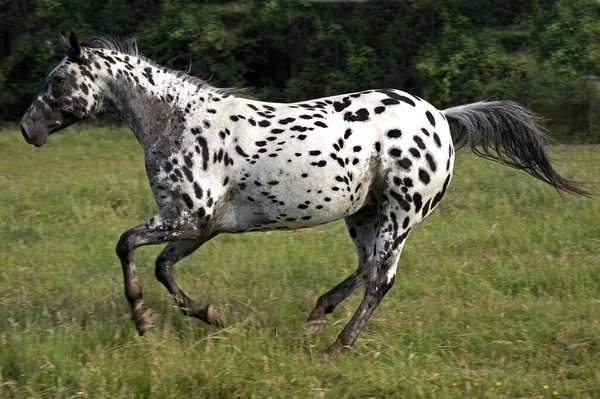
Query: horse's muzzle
x,y
35,139
25,136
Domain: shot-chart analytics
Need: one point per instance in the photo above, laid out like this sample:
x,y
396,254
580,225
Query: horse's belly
x,y
295,203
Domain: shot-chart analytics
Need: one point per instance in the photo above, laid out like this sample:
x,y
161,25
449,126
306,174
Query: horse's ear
x,y
75,44
64,41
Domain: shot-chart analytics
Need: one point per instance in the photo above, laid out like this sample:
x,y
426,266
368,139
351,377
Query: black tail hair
x,y
506,132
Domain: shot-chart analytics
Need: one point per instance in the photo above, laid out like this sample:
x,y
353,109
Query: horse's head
x,y
69,94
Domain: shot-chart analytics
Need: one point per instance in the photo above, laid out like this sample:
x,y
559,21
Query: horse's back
x,y
321,160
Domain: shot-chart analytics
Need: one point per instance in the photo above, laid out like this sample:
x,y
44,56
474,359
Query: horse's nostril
x,y
25,136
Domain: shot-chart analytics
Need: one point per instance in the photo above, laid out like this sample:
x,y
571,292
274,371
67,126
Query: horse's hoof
x,y
213,316
336,349
142,318
314,326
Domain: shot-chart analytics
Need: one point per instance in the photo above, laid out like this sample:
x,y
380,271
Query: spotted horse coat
x,y
220,162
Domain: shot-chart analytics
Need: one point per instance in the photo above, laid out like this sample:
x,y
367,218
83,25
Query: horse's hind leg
x,y
362,227
174,252
389,243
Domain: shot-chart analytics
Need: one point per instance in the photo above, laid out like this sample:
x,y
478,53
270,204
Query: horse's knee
x,y
123,248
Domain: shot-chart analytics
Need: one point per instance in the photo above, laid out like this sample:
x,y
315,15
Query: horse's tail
x,y
508,133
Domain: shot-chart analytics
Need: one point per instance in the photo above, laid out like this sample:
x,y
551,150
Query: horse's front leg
x,y
174,252
164,227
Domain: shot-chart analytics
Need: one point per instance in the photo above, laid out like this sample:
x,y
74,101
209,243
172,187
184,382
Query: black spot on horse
x,y
197,191
315,152
264,123
438,196
400,239
414,152
188,173
399,97
401,201
379,110
241,152
436,138
418,201
424,176
395,152
320,124
405,163
339,106
419,142
188,200
431,162
147,74
203,145
361,115
394,134
286,121
430,118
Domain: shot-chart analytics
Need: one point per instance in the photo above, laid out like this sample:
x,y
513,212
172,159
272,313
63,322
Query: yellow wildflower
x,y
498,383
555,393
546,386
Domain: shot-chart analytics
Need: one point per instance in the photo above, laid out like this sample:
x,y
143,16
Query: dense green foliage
x,y
542,53
496,294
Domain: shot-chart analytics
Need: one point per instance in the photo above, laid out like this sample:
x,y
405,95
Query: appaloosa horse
x,y
220,162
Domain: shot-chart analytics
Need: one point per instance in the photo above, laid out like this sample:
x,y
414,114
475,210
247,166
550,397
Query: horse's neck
x,y
153,105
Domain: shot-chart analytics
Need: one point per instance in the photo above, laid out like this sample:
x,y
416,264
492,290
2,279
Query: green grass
x,y
500,285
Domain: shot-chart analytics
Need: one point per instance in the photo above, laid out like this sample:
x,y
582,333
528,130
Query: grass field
x,y
498,291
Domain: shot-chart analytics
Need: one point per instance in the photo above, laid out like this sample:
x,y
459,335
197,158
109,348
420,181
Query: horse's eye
x,y
58,79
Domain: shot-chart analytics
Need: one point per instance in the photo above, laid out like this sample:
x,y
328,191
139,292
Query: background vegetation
x,y
497,293
542,53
